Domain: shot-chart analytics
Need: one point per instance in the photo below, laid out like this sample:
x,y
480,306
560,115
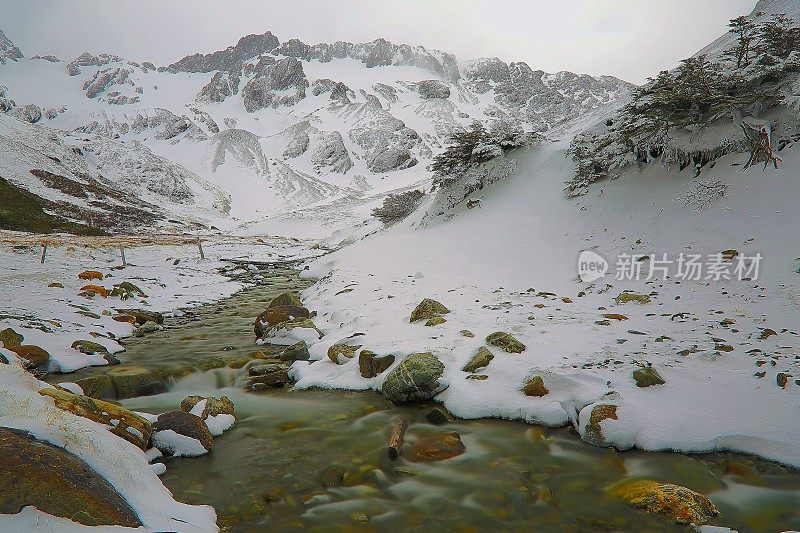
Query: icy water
x,y
318,460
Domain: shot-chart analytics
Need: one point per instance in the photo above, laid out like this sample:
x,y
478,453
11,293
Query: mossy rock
x,y
287,298
505,341
295,323
55,285
427,309
98,386
239,362
480,360
535,387
467,333
35,472
647,377
34,356
436,447
594,432
134,381
211,362
142,315
435,321
147,327
89,347
626,297
679,504
417,378
10,338
296,352
121,422
126,290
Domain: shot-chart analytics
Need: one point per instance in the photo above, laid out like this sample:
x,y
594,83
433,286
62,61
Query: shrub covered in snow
x,y
470,148
753,75
396,207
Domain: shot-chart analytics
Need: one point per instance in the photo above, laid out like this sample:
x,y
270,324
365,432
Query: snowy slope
x,y
284,126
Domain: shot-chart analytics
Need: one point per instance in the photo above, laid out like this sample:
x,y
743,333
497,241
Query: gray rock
x,y
417,378
389,159
433,89
30,113
331,153
248,47
8,50
294,48
262,91
221,86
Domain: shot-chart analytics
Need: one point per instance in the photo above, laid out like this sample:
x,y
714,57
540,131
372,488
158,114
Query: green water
x,y
318,459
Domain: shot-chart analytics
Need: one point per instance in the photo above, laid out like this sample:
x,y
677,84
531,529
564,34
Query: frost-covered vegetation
x,y
396,207
667,116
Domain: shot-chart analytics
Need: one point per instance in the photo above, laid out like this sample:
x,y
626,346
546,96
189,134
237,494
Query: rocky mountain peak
x,y
8,50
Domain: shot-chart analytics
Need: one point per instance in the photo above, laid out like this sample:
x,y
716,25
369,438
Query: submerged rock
x,y
679,504
505,341
35,472
417,378
647,377
480,360
438,416
428,309
134,381
437,447
120,421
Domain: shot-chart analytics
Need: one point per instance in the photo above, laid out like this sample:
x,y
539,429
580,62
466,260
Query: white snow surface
x,y
121,463
480,263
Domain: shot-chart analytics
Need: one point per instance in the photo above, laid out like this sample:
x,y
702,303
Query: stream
x,y
318,459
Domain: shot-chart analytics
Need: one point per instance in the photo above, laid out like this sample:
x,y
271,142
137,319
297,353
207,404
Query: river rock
x,y
535,387
277,314
120,421
295,352
647,377
213,406
35,472
11,338
417,378
371,365
143,315
428,309
437,447
287,298
505,341
438,416
340,353
303,323
134,381
183,424
147,327
480,360
679,504
89,347
593,430
98,386
33,356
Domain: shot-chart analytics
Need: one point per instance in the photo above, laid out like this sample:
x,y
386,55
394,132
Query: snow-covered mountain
x,y
251,134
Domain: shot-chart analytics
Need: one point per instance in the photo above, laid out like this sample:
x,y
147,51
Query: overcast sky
x,y
631,39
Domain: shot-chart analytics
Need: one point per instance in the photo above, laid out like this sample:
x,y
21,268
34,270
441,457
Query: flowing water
x,y
318,459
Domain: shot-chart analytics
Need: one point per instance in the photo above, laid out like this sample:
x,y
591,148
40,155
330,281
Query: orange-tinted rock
x,y
97,289
90,274
277,314
124,318
33,355
437,447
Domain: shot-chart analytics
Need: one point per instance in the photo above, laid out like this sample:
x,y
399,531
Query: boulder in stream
x,y
417,378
